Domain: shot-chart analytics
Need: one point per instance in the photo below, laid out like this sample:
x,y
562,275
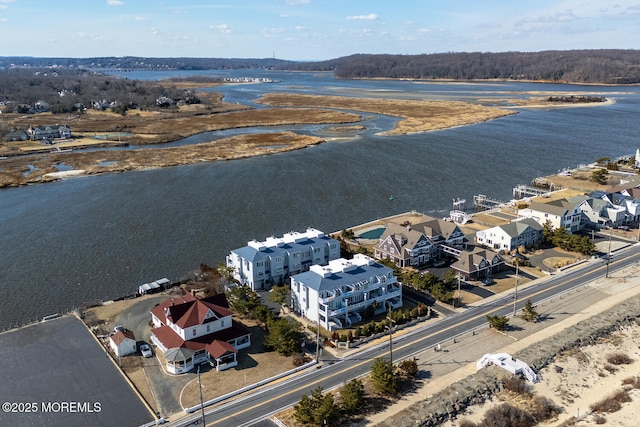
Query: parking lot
x,y
57,374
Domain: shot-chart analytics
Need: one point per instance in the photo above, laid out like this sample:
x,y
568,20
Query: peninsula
x,y
28,161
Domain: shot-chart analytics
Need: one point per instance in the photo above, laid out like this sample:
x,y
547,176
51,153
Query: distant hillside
x,y
576,66
609,66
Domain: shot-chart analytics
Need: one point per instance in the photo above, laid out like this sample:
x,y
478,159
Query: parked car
x,y
488,281
146,350
439,263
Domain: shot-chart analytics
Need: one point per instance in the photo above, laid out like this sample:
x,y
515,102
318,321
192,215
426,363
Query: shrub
x,y
298,359
543,408
619,359
467,423
409,367
515,384
506,415
634,382
599,419
612,403
498,322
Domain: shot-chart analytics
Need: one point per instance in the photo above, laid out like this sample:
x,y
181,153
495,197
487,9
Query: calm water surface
x,y
88,239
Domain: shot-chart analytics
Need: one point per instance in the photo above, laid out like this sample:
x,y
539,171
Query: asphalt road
x,y
253,408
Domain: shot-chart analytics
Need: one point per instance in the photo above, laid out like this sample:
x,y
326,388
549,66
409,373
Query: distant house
x,y
191,330
477,264
49,132
560,213
508,237
17,135
123,342
259,264
336,295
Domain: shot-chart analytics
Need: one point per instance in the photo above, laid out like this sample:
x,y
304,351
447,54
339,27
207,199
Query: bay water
x,y
88,239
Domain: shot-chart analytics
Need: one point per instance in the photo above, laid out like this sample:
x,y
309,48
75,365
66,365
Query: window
x,y
222,323
194,332
208,328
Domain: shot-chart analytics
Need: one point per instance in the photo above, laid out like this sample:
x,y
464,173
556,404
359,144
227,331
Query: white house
x,y
559,213
191,330
123,342
336,295
525,232
261,264
600,211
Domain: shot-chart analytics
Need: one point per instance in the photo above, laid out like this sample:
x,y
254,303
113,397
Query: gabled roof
x,y
516,228
191,311
121,335
474,258
219,348
438,227
402,237
556,207
170,339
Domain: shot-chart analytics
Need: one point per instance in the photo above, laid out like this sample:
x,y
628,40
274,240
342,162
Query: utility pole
x,y
318,338
515,297
459,297
201,403
608,258
390,337
390,344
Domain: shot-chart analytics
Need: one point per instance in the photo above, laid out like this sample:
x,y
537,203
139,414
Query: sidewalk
x,y
457,360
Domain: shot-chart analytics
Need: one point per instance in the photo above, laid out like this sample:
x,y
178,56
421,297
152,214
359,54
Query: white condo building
x,y
337,294
261,264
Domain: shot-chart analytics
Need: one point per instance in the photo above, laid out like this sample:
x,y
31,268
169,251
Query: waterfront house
x,y
559,213
508,237
627,200
404,246
259,265
446,236
123,342
337,295
49,132
190,330
477,264
418,244
599,211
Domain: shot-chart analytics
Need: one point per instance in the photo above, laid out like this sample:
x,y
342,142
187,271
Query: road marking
x,y
507,304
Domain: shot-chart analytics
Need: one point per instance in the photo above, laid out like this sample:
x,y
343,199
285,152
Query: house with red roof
x,y
123,342
190,330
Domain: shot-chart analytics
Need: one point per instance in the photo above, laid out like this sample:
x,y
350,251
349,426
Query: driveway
x,y
165,387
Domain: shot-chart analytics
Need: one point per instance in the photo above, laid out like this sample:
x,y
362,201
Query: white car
x,y
146,350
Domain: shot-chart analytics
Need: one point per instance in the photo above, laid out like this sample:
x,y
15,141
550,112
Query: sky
x,y
310,30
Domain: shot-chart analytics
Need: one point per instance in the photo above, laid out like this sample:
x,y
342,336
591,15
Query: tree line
x,y
575,66
606,66
69,90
